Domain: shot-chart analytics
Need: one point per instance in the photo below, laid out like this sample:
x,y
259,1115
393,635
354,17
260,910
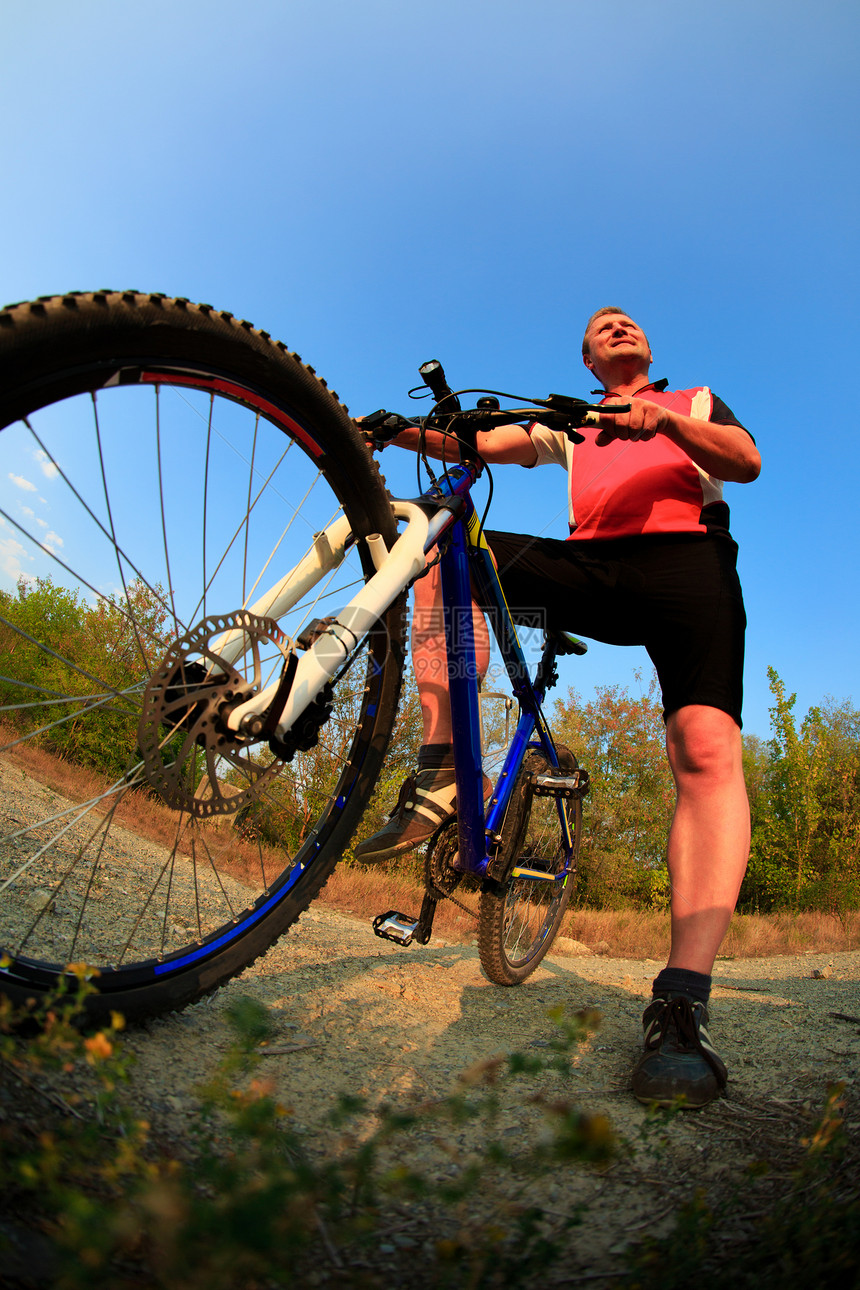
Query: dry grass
x,y
618,933
365,892
621,933
764,935
141,813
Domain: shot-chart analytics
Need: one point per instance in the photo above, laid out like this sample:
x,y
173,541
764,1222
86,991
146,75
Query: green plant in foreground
x,y
251,1206
809,1239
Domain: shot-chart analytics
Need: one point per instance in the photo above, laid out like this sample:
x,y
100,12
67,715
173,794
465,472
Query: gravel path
x,y
356,1015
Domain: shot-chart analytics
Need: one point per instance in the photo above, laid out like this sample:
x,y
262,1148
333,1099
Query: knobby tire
x,y
164,463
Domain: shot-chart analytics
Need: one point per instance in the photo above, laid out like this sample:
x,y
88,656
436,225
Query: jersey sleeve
x,y
550,445
722,415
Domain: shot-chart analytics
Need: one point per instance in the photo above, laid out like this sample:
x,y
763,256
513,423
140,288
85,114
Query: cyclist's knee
x,y
703,743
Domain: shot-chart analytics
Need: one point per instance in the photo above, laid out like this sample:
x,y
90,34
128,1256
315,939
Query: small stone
x,y
39,898
567,945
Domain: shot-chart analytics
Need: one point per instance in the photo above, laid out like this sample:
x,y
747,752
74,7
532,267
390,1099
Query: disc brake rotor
x,y
191,757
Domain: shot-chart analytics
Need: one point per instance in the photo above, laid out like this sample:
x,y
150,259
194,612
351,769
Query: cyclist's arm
x,y
505,445
723,451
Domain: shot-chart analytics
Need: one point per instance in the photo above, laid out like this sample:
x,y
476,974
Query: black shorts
x,y
676,594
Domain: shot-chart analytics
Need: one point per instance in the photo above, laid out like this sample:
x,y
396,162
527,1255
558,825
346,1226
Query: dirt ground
x,y
358,1015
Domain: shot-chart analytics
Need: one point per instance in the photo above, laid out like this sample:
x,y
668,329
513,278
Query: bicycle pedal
x,y
394,926
560,785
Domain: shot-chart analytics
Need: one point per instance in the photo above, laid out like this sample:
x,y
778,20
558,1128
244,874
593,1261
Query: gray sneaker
x,y
680,1065
427,799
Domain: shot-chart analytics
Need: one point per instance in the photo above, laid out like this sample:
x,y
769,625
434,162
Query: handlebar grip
x,y
433,375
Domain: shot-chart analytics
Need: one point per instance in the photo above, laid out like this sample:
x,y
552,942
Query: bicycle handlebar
x,y
557,412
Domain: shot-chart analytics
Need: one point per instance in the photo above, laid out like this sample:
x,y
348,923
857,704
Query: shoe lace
x,y
678,1019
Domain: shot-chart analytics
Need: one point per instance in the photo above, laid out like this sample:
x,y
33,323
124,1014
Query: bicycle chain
x,y
437,866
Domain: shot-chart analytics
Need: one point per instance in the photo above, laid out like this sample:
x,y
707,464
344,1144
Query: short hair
x,y
607,309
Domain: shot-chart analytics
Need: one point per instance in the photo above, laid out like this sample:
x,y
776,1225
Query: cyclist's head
x,y
614,321
598,313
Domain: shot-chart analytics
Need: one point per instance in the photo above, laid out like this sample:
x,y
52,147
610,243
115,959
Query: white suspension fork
x,y
395,570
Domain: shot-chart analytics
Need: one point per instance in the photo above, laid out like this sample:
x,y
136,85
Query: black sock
x,y
681,981
436,756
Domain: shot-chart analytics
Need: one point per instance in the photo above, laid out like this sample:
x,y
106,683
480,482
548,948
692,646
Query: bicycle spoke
x,y
121,554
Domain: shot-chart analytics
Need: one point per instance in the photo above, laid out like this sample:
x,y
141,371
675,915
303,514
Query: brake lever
x,y
578,411
568,414
380,427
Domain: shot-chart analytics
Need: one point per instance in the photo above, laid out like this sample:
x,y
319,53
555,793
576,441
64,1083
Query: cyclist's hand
x,y
368,438
378,428
643,421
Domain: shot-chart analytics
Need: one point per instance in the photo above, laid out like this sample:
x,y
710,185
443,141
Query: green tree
x,y
71,673
620,740
805,849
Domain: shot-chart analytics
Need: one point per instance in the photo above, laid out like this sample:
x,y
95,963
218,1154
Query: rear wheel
x,y
165,467
520,915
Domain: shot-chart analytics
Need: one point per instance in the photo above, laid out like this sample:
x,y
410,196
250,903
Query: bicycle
x,y
204,695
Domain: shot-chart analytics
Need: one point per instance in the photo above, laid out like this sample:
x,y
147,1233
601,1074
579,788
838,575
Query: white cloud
x,y
47,465
54,538
11,554
30,513
20,482
42,523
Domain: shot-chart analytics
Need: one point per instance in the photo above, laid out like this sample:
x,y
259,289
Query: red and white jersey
x,y
634,487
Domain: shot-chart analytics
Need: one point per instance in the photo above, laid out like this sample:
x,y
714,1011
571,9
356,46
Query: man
x,y
649,561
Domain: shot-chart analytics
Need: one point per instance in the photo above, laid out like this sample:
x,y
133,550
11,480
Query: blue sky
x,y
382,183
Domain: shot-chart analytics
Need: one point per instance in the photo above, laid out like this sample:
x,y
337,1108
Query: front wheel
x,y
183,508
520,915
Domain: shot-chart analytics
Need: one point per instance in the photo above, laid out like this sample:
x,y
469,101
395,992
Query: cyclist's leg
x,y
707,856
428,797
535,573
430,660
709,838
697,648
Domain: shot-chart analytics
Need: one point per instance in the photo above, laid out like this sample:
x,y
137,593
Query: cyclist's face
x,y
612,336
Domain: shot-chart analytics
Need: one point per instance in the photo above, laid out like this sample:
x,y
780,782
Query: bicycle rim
x,y
521,915
148,502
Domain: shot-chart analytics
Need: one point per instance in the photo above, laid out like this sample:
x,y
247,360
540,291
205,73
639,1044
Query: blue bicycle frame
x,y
465,562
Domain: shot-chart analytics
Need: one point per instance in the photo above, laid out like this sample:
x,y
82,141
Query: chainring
x,y
192,759
440,876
